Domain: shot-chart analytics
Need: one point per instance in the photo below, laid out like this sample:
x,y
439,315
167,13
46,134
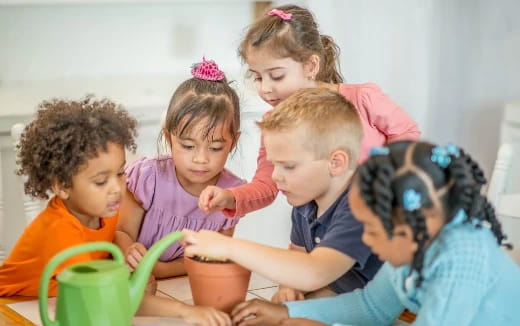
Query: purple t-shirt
x,y
168,207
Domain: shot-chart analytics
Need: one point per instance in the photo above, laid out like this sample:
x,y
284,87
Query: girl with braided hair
x,y
423,213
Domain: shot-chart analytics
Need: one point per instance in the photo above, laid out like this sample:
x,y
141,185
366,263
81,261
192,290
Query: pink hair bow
x,y
285,16
207,70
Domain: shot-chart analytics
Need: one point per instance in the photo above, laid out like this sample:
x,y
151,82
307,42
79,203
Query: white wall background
x,y
451,63
41,42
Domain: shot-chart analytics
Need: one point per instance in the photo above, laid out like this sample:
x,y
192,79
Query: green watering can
x,y
99,292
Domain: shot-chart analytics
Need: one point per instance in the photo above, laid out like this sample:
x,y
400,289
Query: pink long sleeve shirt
x,y
383,121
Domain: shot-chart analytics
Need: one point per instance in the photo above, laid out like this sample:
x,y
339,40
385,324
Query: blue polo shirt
x,y
337,229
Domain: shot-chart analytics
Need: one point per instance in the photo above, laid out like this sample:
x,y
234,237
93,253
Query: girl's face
x,y
97,187
276,79
397,251
199,160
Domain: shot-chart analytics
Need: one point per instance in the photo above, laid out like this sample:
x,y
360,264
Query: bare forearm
x,y
295,269
122,240
169,269
159,306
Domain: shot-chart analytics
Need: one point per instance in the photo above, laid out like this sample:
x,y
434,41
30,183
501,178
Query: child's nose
x,y
201,156
266,86
117,185
276,176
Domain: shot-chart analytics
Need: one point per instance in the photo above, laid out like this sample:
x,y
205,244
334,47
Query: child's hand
x,y
256,311
134,254
205,243
285,294
205,316
213,198
300,322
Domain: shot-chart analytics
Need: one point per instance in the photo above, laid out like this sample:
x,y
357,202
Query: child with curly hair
x,y
423,213
76,150
201,128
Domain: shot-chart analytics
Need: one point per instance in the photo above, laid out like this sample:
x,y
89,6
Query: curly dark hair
x,y
383,179
65,135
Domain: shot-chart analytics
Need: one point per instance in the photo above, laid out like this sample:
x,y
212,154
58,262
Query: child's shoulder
x,y
364,89
150,165
464,249
54,216
149,161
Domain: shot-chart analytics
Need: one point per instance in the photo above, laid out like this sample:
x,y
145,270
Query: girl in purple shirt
x,y
201,128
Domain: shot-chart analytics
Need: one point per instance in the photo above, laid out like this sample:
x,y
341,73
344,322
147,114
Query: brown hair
x,y
331,120
196,99
297,38
65,135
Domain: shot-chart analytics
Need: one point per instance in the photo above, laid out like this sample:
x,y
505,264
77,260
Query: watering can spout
x,y
140,276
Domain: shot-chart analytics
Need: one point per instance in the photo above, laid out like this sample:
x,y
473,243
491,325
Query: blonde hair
x,y
331,120
297,38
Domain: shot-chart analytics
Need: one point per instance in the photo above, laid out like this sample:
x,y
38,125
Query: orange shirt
x,y
52,231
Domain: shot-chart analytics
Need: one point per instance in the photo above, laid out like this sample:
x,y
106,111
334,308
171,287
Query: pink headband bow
x,y
285,16
207,70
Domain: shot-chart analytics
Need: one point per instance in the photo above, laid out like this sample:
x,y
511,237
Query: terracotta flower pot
x,y
218,284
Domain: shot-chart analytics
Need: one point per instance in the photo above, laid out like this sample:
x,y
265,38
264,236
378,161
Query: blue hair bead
x,y
383,150
452,149
411,200
440,156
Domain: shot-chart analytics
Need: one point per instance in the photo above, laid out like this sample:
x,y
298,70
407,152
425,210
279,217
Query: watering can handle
x,y
62,256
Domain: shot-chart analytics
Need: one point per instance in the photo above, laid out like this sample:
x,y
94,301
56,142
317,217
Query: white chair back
x,y
507,205
31,206
2,223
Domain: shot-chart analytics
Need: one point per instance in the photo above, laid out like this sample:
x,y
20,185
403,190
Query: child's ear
x,y
405,231
236,140
167,136
60,191
312,66
338,162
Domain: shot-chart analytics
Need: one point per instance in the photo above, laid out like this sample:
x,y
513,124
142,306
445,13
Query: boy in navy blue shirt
x,y
313,140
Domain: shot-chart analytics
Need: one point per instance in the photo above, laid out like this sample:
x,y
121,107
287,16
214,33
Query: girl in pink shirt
x,y
285,52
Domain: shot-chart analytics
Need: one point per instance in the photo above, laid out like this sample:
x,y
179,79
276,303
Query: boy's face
x,y
198,160
297,173
397,251
276,79
98,186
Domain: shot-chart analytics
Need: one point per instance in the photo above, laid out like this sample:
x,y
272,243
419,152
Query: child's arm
x,y
322,265
388,117
376,304
286,293
164,307
239,201
169,269
130,219
176,266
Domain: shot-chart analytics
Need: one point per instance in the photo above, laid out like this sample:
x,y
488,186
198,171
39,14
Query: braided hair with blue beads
x,y
407,177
